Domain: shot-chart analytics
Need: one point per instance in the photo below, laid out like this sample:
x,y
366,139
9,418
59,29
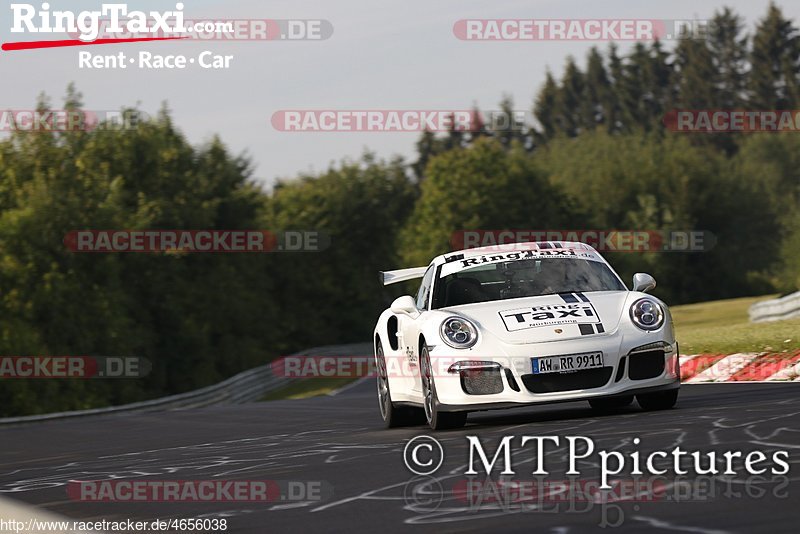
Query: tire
x,y
436,419
393,416
663,400
611,403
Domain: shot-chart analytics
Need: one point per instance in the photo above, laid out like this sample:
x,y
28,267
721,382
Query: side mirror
x,y
405,305
643,282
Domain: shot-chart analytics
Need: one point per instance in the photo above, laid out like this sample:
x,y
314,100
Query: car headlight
x,y
647,314
459,333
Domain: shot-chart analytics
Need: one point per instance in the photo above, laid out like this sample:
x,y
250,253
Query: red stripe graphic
x,y
31,45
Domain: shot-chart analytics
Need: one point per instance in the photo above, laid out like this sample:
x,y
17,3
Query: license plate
x,y
567,363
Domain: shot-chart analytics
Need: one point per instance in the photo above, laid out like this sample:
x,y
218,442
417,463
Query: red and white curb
x,y
741,367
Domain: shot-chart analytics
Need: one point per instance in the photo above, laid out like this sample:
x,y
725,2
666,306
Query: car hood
x,y
548,317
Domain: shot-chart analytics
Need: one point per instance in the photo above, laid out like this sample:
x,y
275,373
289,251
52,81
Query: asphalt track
x,y
340,440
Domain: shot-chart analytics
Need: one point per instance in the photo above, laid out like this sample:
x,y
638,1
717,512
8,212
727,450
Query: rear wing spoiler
x,y
401,275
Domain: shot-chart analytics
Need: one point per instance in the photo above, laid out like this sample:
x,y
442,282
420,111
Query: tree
x,y
197,318
333,296
427,146
595,101
774,59
482,187
544,108
509,128
569,100
728,47
617,113
636,87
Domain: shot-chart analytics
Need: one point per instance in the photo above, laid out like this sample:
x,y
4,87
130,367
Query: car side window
x,y
425,289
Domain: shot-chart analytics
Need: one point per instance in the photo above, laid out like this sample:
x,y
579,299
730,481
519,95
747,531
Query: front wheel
x,y
663,400
437,419
393,416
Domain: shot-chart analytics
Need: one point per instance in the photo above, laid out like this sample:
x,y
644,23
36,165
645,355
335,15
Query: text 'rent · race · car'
x,y
521,324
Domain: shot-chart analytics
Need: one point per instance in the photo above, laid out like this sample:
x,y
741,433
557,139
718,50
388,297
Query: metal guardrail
x,y
776,309
248,386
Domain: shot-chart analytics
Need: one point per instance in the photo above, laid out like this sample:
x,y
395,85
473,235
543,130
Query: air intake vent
x,y
481,382
552,382
646,365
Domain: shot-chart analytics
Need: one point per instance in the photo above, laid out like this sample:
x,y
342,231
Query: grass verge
x,y
306,388
723,327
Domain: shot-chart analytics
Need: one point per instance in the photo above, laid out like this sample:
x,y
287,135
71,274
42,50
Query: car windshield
x,y
523,278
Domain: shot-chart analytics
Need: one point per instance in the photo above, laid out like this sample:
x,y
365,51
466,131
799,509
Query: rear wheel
x,y
611,403
663,400
393,416
437,419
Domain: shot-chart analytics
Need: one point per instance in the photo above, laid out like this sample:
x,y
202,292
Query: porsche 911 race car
x,y
521,324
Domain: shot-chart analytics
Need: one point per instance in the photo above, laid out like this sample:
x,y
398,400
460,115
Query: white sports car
x,y
521,324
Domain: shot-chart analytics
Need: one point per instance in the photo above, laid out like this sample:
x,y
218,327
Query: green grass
x,y
723,327
307,387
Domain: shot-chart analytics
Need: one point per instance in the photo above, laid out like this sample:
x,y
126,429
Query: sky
x,y
382,55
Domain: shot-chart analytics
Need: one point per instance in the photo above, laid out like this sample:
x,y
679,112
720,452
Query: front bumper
x,y
638,364
479,407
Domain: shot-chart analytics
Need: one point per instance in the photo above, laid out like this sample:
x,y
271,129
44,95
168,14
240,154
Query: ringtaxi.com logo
x,y
118,22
